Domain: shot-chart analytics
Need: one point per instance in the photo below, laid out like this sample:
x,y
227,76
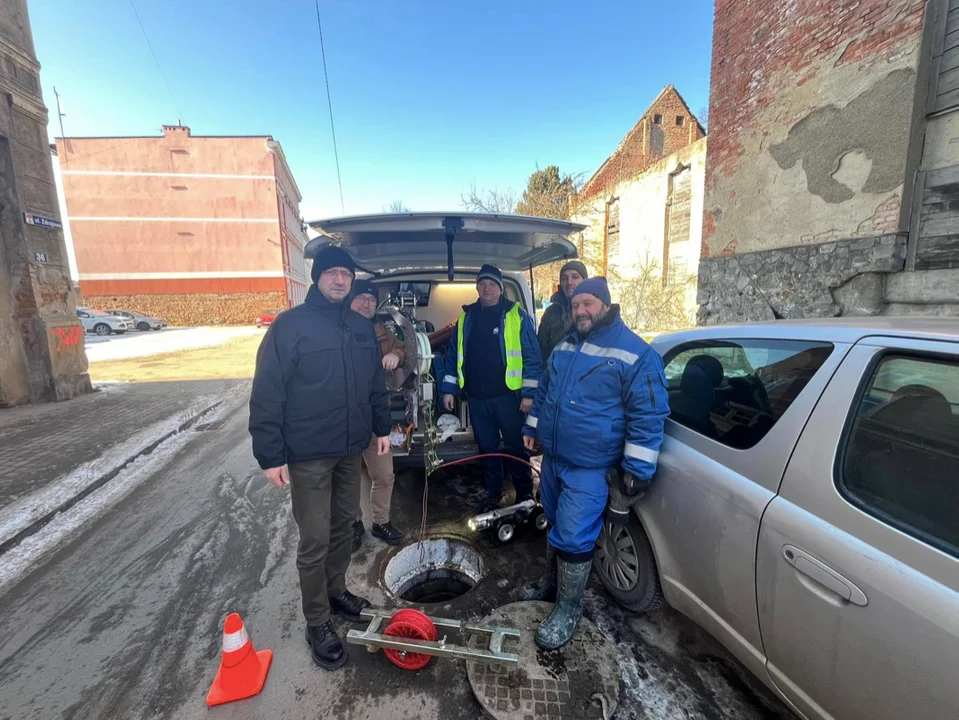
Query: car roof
x,y
845,329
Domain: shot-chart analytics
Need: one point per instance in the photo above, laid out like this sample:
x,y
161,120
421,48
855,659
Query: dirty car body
x,y
424,266
806,510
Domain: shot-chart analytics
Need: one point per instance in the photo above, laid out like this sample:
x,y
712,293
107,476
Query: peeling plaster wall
x,y
809,142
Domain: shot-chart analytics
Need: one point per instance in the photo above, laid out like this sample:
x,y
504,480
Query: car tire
x,y
102,329
626,566
143,326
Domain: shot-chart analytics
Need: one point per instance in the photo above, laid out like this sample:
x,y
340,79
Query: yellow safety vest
x,y
514,349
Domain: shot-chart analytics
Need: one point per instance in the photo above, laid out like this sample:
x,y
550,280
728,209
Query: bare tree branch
x,y
493,201
397,206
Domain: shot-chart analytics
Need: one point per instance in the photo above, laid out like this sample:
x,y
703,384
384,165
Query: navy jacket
x,y
532,358
319,390
602,401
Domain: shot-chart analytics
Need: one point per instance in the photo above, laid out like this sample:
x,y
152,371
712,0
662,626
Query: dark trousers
x,y
491,418
326,501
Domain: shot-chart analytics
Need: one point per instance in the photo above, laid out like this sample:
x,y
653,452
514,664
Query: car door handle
x,y
824,575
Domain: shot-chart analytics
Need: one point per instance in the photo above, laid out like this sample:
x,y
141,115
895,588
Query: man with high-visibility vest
x,y
495,359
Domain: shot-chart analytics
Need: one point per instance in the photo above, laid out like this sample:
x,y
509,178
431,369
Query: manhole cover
x,y
566,683
436,570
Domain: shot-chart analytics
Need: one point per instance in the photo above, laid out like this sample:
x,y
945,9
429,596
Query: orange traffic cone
x,y
242,670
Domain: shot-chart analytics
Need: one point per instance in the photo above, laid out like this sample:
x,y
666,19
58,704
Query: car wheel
x,y
626,566
143,327
102,329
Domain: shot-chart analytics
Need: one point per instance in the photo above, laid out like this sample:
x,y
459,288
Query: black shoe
x,y
325,647
523,497
358,531
349,606
387,533
484,500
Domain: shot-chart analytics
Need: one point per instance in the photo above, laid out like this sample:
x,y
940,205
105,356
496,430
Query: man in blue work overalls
x,y
601,403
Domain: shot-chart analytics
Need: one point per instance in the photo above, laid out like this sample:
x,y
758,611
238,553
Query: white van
x,y
424,266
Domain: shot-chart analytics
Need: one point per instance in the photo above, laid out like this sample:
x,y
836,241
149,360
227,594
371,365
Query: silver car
x,y
806,510
140,321
102,323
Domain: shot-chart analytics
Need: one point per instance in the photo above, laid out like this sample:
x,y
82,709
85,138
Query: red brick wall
x,y
763,48
647,143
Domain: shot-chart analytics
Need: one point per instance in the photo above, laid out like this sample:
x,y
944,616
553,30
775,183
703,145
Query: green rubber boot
x,y
545,587
556,630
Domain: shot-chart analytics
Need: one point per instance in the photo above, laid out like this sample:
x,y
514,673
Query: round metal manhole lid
x,y
545,685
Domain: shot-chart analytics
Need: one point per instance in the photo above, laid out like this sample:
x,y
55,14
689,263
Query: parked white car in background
x,y
101,323
140,321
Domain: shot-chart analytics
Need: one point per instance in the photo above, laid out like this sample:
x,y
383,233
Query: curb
x,y
40,522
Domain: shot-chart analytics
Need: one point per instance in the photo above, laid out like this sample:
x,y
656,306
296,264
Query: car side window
x,y
901,460
82,314
735,391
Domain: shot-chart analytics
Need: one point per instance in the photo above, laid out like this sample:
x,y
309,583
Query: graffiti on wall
x,y
67,337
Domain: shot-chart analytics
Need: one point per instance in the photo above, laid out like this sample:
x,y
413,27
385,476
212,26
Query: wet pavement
x,y
126,621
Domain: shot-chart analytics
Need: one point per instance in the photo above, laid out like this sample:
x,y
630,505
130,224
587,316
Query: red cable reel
x,y
414,625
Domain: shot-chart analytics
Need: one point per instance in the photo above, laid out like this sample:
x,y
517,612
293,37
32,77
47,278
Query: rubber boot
x,y
556,630
545,587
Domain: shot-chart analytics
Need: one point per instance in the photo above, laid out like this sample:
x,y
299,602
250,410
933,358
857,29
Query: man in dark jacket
x,y
601,404
319,395
494,357
557,321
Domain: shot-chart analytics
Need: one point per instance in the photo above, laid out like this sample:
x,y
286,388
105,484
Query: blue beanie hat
x,y
595,286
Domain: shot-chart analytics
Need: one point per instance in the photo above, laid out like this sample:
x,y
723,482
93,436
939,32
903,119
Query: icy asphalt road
x,y
125,621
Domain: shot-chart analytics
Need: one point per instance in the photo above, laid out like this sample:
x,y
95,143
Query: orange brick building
x,y
197,229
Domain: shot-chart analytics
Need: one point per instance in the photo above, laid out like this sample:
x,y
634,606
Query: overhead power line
x,y
160,69
329,101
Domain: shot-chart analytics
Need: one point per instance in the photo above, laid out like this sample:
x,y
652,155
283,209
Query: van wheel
x,y
101,329
626,566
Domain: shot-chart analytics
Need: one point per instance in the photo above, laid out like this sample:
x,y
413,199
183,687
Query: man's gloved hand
x,y
617,509
633,486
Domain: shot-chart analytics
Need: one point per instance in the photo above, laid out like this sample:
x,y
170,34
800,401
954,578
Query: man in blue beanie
x,y
319,395
495,359
601,405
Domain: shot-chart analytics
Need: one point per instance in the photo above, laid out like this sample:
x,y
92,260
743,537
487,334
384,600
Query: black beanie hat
x,y
363,287
331,256
491,272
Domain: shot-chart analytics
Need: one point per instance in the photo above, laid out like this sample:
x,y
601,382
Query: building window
x,y
680,121
612,229
657,119
678,272
901,463
734,391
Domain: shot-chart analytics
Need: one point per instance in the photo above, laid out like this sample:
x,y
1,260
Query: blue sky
x,y
428,96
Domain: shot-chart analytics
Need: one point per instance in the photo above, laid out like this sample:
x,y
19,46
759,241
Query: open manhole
x,y
435,570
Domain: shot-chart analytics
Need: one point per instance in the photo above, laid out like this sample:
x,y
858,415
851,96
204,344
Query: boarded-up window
x,y
680,206
678,271
944,91
612,230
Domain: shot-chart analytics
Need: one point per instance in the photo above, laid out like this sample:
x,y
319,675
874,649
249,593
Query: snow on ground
x,y
31,552
130,345
19,515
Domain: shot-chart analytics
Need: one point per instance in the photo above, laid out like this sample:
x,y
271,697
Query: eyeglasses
x,y
365,299
341,273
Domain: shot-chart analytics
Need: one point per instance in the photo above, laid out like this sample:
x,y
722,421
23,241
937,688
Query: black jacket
x,y
319,390
556,324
